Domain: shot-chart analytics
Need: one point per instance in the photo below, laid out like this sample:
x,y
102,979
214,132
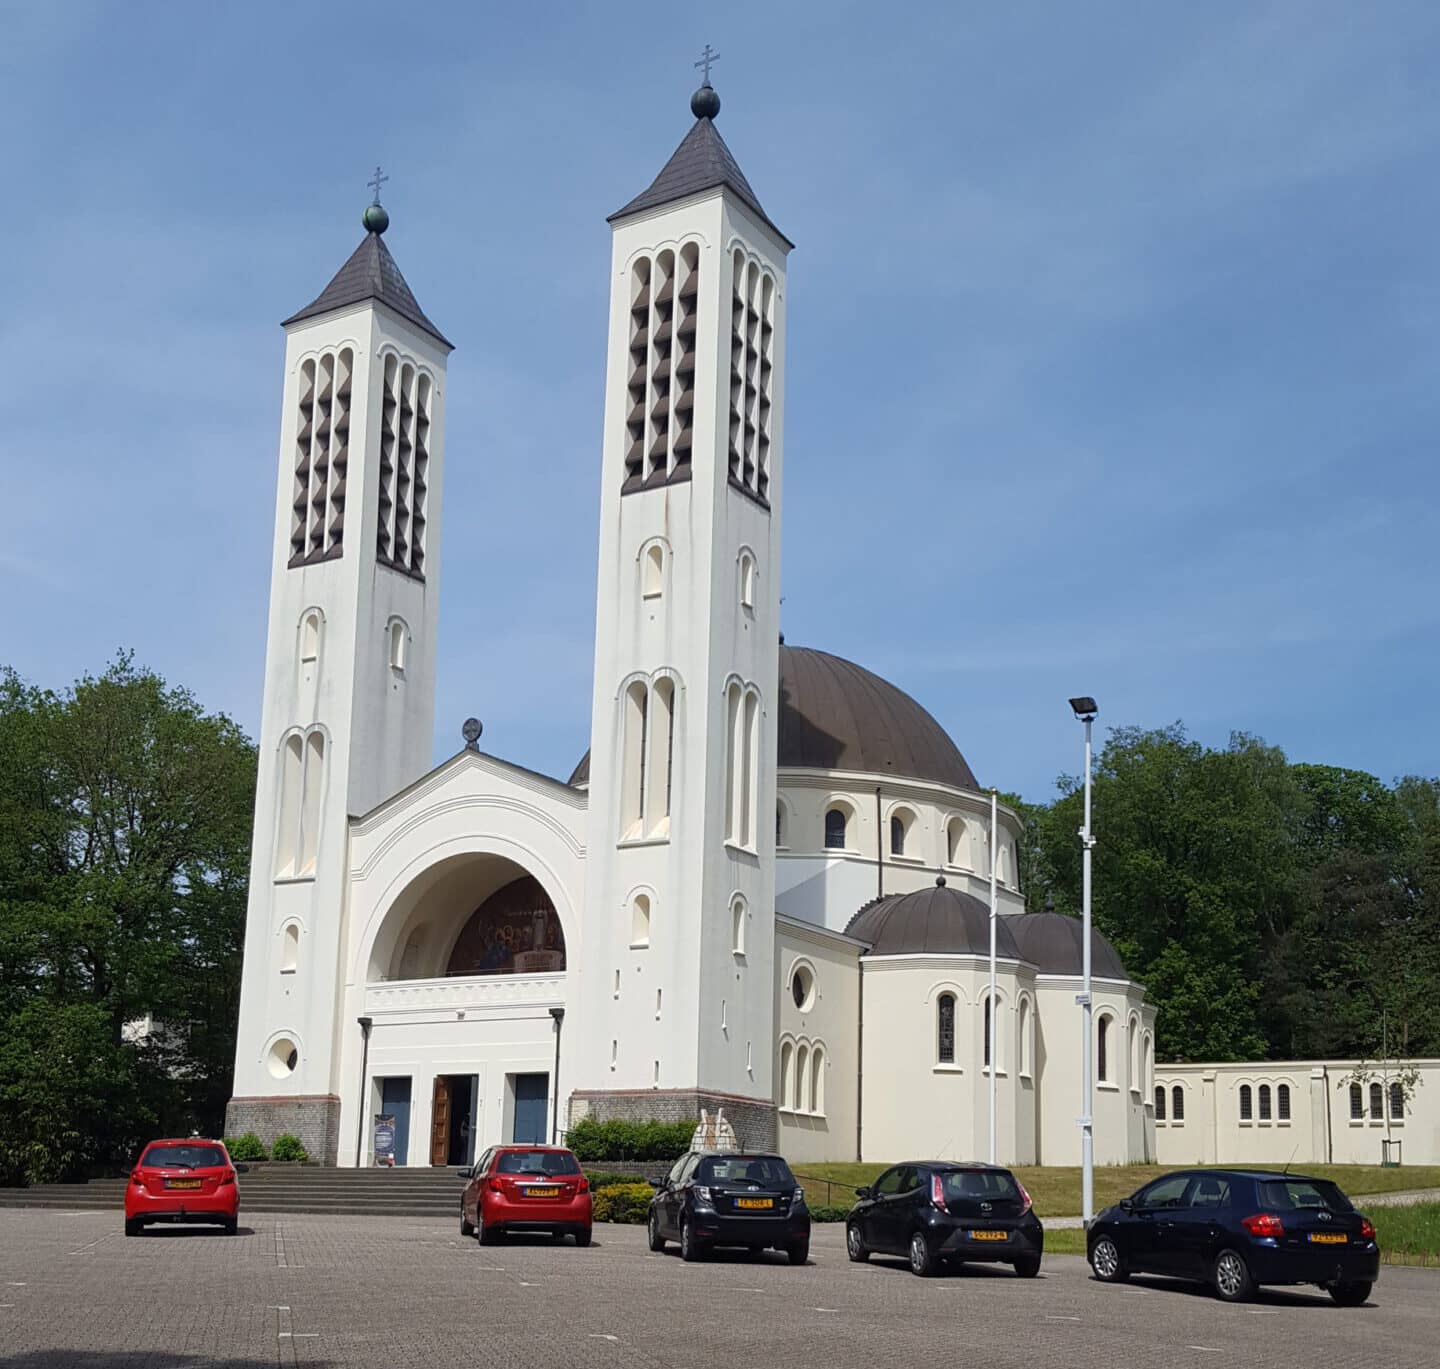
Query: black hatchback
x,y
712,1199
935,1212
1236,1229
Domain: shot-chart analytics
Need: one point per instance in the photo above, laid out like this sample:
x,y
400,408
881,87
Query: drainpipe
x,y
559,1015
361,1106
879,848
860,1061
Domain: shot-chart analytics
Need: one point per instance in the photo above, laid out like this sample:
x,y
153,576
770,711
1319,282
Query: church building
x,y
765,888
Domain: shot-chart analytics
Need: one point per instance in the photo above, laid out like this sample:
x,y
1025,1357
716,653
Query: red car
x,y
182,1181
525,1188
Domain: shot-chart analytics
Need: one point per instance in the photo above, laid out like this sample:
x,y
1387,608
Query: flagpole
x,y
992,1014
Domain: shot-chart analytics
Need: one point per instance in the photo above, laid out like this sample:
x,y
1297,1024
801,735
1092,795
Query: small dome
x,y
937,921
1053,944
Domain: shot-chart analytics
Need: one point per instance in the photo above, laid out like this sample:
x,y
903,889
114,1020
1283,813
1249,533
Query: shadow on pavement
x,y
135,1359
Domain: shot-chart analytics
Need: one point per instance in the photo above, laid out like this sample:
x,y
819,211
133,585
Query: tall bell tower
x,y
677,988
349,699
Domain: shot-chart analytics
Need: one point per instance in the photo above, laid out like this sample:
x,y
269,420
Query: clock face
x,y
471,730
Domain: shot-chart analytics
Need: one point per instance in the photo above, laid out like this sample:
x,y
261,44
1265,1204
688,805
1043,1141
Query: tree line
x,y
1273,910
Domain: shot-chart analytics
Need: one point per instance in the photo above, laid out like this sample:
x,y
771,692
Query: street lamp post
x,y
559,1015
1085,710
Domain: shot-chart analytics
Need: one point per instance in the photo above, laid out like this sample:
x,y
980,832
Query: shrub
x,y
825,1213
628,1204
621,1139
288,1147
246,1147
604,1178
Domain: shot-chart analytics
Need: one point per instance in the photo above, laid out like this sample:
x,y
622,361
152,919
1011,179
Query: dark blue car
x,y
1236,1229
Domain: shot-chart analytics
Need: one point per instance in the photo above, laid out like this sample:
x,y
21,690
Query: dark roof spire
x,y
371,273
701,162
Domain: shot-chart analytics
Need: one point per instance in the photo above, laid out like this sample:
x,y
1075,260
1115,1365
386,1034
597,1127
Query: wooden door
x,y
440,1122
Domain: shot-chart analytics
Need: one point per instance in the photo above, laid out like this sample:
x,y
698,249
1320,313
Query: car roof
x,y
738,1155
183,1141
951,1164
518,1145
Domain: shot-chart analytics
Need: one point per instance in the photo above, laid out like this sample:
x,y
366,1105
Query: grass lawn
x,y
1056,1189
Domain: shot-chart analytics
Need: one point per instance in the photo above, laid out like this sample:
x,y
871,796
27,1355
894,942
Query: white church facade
x,y
766,886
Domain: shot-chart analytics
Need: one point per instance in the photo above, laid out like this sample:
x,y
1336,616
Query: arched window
x,y
290,949
1159,1102
1265,1102
817,1081
945,1029
1177,1104
747,581
835,829
802,1078
1377,1103
1102,1049
660,736
1282,1102
1133,1035
1026,1027
653,572
1357,1103
787,1075
737,926
897,835
1149,1059
399,640
634,743
640,921
310,637
957,843
1397,1101
1247,1104
781,841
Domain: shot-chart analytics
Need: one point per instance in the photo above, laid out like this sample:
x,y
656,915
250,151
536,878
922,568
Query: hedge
x,y
829,1214
620,1139
627,1204
604,1178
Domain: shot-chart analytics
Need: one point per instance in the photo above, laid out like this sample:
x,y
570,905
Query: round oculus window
x,y
282,1058
802,987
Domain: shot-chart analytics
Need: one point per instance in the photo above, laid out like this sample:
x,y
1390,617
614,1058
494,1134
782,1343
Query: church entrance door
x,y
440,1121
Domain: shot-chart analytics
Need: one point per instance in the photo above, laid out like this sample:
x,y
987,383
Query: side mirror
x,y
863,1192
1127,1204
467,1173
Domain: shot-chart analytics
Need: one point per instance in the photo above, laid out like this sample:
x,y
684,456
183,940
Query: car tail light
x,y
584,1185
1367,1229
493,1184
1024,1198
1263,1224
702,1194
227,1178
798,1196
137,1179
937,1190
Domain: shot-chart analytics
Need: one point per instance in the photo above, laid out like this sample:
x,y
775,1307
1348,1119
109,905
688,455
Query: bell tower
x,y
349,698
677,989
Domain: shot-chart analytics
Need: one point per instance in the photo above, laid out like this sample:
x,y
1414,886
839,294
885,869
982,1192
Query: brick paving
x,y
394,1292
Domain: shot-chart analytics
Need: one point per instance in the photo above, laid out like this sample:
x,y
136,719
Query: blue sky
x,y
1112,360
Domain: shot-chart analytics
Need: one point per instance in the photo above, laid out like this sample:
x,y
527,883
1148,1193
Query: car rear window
x,y
183,1157
1286,1195
770,1171
985,1184
537,1162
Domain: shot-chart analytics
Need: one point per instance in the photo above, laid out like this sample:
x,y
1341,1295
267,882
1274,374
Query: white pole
x,y
992,1014
1087,1066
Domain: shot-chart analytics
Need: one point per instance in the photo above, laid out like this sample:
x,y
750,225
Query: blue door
x,y
532,1094
395,1102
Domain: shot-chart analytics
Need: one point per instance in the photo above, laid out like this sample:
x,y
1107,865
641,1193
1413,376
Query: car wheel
x,y
690,1248
855,1246
1028,1267
1106,1263
657,1241
922,1262
231,1227
1350,1294
133,1226
798,1254
1232,1277
467,1227
486,1235
582,1238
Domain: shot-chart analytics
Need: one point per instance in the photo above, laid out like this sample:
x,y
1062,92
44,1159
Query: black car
x,y
936,1212
1235,1229
711,1199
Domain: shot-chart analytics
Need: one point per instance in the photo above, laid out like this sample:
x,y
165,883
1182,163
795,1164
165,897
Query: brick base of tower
x,y
314,1118
754,1119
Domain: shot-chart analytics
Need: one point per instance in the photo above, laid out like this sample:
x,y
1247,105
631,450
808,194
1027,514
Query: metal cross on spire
x,y
375,182
706,58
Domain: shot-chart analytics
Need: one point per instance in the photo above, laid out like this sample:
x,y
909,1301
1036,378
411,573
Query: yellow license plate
x,y
754,1203
534,1191
182,1183
989,1235
1328,1238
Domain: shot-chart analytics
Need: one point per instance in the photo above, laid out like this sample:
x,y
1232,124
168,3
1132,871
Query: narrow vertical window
x,y
661,740
747,581
310,637
310,795
1282,1103
1177,1104
945,1029
817,1081
290,949
835,830
658,1002
686,317
614,1053
1133,1035
1377,1103
398,642
787,1071
733,698
635,417
616,991
1265,1102
1159,1102
1025,1029
287,836
1102,1049
1357,1103
780,839
1397,1102
737,927
633,742
653,572
1247,1106
897,835
957,843
640,921
802,1078
750,785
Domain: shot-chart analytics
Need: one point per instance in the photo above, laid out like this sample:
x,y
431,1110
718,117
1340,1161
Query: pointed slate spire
x,y
371,273
701,162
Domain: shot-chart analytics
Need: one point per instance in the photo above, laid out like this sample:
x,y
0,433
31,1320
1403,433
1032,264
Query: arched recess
x,y
1132,1041
1025,1040
785,1092
902,832
958,851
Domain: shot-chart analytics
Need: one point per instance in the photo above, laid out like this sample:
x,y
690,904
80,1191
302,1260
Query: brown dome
x,y
836,715
937,921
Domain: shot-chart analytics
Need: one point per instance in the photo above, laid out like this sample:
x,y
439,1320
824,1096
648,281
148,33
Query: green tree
x,y
125,815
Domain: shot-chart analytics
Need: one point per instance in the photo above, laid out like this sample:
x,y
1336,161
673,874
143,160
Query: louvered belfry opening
x,y
752,361
404,467
660,390
322,455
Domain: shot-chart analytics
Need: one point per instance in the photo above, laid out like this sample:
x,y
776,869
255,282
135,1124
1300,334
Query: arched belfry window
x,y
322,457
402,486
945,1029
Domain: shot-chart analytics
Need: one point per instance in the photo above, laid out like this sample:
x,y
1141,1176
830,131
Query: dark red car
x,y
525,1188
182,1181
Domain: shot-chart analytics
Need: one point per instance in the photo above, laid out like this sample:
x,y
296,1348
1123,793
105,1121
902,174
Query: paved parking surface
x,y
74,1292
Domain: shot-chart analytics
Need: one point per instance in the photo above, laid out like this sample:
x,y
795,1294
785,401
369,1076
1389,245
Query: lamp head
x,y
558,1014
1085,708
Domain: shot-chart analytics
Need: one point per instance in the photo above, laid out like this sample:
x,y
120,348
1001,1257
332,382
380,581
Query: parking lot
x,y
387,1292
